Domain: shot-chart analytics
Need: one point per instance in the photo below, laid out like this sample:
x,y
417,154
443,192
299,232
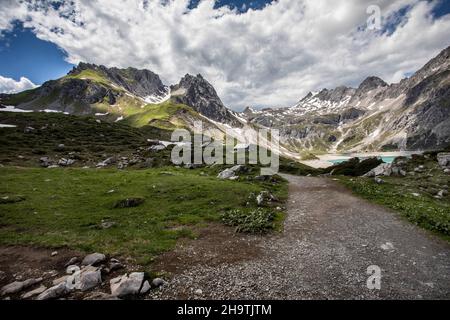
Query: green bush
x,y
254,221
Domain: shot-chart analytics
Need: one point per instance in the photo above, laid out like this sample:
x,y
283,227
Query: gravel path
x,y
330,239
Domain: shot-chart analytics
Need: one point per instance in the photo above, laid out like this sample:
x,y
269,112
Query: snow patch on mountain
x,y
159,98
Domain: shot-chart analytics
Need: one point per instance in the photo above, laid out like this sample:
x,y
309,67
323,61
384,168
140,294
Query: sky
x,y
257,53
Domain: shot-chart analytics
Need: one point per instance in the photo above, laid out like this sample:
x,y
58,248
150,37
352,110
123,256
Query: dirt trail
x,y
330,239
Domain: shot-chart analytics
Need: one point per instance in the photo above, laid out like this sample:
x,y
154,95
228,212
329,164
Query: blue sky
x,y
269,57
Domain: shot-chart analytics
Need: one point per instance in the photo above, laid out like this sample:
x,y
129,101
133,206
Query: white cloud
x,y
269,57
8,85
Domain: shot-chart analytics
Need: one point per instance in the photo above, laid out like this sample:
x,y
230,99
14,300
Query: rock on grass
x,y
129,203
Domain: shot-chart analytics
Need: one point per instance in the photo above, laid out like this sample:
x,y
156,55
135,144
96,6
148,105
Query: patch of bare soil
x,y
25,262
215,244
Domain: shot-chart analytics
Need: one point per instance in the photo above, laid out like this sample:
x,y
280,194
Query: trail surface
x,y
330,238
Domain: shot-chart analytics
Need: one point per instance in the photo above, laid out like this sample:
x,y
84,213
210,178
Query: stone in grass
x,y
129,203
11,199
226,174
93,259
107,224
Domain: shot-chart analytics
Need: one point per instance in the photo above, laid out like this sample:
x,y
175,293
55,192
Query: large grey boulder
x,y
83,279
55,292
18,286
127,285
93,259
89,279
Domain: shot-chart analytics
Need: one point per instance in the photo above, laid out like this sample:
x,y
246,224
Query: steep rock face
x,y
199,94
142,83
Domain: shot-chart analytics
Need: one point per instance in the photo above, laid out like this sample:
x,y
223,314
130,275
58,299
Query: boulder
x,y
127,285
158,282
55,292
383,169
34,292
89,279
84,279
18,286
444,159
72,269
93,259
145,288
226,174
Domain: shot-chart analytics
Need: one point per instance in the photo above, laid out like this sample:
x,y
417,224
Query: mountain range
x,y
410,115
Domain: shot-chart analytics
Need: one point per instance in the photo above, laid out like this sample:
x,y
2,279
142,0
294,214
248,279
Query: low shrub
x,y
253,221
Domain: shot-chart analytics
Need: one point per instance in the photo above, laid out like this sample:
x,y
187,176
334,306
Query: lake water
x,y
386,159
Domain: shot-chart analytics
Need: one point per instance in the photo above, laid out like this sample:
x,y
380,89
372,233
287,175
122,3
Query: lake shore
x,y
325,160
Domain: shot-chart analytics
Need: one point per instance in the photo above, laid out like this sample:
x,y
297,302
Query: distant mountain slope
x,y
412,114
137,97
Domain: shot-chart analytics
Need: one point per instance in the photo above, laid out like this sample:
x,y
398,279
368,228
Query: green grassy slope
x,y
65,207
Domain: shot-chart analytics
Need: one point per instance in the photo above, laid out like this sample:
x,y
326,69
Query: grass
x,y
90,140
91,75
397,193
159,115
19,98
65,207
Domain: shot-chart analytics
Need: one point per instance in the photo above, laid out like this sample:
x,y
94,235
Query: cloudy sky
x,y
260,53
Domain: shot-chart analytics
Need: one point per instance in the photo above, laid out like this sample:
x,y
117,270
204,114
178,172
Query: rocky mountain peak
x,y
371,83
198,93
143,83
